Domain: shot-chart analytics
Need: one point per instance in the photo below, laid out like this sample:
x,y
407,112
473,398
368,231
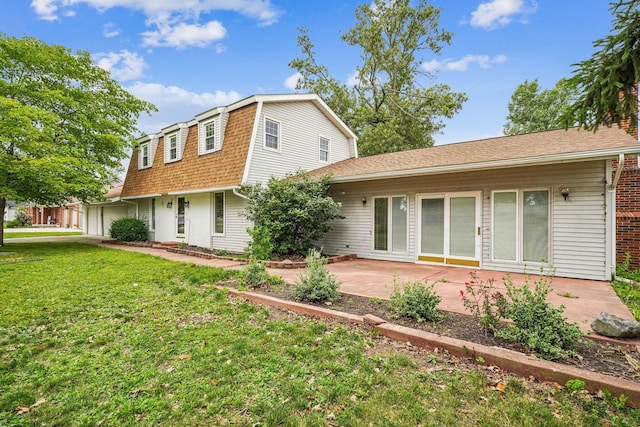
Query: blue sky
x,y
187,56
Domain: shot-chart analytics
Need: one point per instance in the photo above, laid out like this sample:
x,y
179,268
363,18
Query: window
x,y
152,222
144,155
218,213
209,136
390,223
173,147
271,134
521,226
324,149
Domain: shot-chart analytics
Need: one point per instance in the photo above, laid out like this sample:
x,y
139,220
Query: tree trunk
x,y
3,203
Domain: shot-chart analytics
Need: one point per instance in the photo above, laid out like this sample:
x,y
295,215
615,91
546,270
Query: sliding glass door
x,y
449,228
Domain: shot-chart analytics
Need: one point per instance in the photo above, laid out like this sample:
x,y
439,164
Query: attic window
x,y
173,147
324,149
271,134
210,136
144,156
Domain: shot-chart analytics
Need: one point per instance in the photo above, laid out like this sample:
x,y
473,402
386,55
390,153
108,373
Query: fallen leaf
x,y
214,382
501,387
39,402
22,410
183,356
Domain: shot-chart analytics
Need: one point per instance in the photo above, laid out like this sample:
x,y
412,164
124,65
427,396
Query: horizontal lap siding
x,y
301,125
235,238
577,242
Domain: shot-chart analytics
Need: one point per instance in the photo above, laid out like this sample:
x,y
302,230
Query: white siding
x,y
577,226
301,124
235,238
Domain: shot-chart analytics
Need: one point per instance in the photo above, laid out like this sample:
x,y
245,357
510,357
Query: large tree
x,y
65,124
532,109
606,81
387,107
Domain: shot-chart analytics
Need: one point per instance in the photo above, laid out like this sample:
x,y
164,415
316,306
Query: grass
x,y
17,234
96,336
629,293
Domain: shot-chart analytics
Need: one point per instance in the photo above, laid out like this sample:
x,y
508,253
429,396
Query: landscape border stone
x,y
508,360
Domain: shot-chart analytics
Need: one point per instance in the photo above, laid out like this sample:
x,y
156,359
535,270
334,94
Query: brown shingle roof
x,y
221,169
540,147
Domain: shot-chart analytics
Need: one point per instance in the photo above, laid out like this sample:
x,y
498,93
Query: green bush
x,y
260,246
415,300
129,230
318,285
294,210
536,323
255,275
22,219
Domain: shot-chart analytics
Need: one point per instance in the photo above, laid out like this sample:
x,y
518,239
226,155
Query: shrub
x,y
129,230
484,301
416,300
536,323
260,246
318,285
255,275
22,219
294,210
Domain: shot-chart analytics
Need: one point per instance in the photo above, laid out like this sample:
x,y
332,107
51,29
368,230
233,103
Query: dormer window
x,y
173,147
210,136
271,134
144,155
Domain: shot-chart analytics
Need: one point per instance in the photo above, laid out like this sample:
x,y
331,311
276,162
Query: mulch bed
x,y
610,358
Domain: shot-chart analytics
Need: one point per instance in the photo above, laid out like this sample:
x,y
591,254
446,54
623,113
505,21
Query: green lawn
x,y
15,234
95,336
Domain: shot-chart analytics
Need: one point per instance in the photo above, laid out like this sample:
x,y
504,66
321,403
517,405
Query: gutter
x,y
132,203
242,196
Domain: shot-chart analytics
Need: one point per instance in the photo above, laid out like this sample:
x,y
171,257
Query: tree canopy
x,y
532,109
65,124
387,107
606,81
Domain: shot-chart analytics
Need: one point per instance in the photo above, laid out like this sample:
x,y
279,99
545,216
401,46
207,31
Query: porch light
x,y
186,203
170,205
565,192
364,202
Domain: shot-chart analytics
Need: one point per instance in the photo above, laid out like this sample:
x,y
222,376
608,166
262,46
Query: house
x,y
517,203
10,210
184,180
67,216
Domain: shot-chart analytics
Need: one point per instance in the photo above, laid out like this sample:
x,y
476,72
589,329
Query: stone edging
x,y
505,359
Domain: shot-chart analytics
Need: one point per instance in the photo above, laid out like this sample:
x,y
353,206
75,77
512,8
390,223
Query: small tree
x,y
294,210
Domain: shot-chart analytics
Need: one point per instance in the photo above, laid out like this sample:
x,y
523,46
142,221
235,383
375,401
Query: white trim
x,y
202,144
153,207
278,148
389,249
168,148
252,143
224,214
610,221
144,196
202,190
141,149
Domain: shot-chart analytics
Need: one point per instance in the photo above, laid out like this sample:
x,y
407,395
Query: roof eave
x,y
494,164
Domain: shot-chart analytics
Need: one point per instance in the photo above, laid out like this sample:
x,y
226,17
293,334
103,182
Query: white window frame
x,y
144,147
204,135
278,136
153,205
224,216
321,150
173,138
389,224
520,226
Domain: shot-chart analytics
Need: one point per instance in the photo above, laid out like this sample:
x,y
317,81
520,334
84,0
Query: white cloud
x,y
353,79
183,35
123,66
176,104
45,9
483,61
292,81
110,30
498,13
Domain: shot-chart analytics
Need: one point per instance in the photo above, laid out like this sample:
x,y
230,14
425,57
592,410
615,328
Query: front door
x,y
449,230
180,218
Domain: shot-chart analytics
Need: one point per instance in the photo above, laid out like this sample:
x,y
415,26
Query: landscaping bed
x,y
614,358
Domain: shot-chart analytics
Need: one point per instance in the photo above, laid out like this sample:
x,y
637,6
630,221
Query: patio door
x,y
449,228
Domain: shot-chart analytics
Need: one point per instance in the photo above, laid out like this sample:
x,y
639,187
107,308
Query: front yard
x,y
94,336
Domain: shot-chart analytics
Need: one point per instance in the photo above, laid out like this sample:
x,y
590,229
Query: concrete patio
x,y
584,299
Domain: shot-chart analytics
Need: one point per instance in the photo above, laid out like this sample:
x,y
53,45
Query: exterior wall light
x,y
170,205
364,202
565,192
186,203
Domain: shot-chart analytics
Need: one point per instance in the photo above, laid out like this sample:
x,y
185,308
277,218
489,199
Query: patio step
x,y
165,245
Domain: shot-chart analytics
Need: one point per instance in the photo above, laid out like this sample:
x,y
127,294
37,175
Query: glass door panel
x,y
380,223
535,226
505,226
462,226
180,216
432,226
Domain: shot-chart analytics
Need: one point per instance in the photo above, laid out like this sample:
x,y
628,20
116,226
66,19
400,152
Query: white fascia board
x,y
174,127
209,113
144,196
202,190
495,164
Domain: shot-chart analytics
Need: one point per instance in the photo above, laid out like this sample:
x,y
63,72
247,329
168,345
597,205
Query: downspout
x,y
132,203
612,190
242,196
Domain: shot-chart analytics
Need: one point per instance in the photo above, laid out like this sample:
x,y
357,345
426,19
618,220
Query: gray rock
x,y
613,326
